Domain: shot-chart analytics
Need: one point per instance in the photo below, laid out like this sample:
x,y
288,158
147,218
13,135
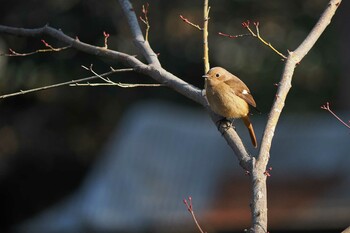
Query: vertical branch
x,y
293,59
205,36
259,201
145,20
139,40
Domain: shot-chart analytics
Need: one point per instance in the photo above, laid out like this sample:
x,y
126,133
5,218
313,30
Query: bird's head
x,y
217,73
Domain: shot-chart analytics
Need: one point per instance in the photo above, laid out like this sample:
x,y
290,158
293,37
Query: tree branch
x,y
153,70
236,144
259,202
190,23
22,92
205,36
157,73
327,108
257,35
317,30
126,59
179,85
293,59
145,20
139,40
190,209
108,82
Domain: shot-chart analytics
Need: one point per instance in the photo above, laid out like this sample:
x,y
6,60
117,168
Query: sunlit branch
x,y
189,206
257,35
205,36
21,92
108,82
50,48
145,19
246,24
190,23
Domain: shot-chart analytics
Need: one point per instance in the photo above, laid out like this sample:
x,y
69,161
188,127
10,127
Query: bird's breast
x,y
223,101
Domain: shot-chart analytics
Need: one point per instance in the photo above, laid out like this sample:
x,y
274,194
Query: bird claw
x,y
224,125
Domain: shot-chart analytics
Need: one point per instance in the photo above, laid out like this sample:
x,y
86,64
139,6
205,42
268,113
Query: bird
x,y
229,97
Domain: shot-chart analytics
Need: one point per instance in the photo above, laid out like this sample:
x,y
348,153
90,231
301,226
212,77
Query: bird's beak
x,y
205,76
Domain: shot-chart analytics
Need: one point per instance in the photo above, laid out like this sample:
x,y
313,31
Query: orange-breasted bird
x,y
229,97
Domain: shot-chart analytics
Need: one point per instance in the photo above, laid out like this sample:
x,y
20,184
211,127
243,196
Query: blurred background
x,y
53,144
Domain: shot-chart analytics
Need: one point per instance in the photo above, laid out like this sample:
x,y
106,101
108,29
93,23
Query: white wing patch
x,y
245,92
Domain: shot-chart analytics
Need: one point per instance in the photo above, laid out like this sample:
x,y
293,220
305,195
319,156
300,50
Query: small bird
x,y
229,97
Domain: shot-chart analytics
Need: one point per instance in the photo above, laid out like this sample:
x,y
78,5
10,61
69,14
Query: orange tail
x,y
251,130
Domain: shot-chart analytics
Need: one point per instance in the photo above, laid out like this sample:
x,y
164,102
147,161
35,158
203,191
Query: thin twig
x,y
106,36
109,82
257,35
246,24
206,10
190,23
21,92
145,19
233,36
13,53
122,85
190,209
327,108
205,36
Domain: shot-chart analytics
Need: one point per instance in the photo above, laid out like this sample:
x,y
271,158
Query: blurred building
x,y
165,153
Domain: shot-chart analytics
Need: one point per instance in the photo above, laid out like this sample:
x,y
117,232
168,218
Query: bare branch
x,y
206,10
145,19
109,82
233,36
139,41
317,30
50,49
230,135
190,23
205,36
327,108
236,144
285,84
153,70
257,35
21,92
246,24
126,59
259,202
106,35
189,206
160,75
122,85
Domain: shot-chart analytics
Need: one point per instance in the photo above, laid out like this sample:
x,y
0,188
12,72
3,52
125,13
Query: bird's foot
x,y
224,125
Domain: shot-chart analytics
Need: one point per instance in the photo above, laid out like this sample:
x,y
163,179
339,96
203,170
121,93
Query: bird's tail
x,y
251,130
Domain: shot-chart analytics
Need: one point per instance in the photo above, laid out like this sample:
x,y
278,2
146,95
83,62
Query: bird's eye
x,y
217,75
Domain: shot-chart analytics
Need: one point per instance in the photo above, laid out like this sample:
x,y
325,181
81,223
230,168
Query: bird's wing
x,y
241,90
